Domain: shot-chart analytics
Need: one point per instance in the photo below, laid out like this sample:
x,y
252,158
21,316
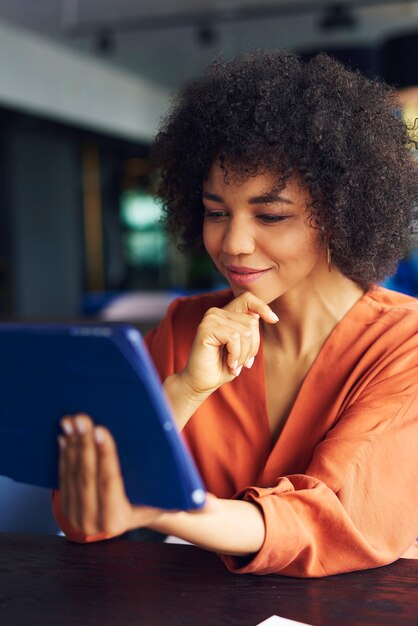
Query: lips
x,y
242,276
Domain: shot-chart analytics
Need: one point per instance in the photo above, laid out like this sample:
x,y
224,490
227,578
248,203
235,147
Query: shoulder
x,y
388,299
384,345
395,311
377,340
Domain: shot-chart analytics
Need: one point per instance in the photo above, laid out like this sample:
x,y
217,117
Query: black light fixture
x,y
338,16
206,35
104,42
399,60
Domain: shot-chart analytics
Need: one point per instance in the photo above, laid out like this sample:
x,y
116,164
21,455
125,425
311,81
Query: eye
x,y
272,218
215,216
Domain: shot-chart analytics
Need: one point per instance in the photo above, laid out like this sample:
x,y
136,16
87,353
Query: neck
x,y
308,313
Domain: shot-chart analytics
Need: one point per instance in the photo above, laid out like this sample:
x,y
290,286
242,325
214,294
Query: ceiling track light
x,y
207,35
104,42
338,16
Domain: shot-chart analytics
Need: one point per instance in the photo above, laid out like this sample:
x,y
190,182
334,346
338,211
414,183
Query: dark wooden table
x,y
50,582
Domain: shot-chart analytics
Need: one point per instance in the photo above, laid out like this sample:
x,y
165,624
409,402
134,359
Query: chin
x,y
265,295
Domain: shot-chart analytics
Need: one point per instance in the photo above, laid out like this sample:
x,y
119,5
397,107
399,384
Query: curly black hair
x,y
271,111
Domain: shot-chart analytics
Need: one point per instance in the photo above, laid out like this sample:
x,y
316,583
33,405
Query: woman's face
x,y
259,238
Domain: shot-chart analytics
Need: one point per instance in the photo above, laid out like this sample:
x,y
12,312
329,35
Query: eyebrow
x,y
265,198
269,196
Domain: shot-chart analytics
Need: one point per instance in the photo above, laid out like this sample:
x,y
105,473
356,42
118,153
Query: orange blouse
x,y
338,489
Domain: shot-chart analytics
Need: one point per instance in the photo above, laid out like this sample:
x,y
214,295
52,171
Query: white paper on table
x,y
275,620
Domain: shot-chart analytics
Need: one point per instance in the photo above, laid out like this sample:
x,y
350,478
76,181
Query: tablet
x,y
47,372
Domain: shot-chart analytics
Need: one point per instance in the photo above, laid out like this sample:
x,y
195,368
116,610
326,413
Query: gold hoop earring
x,y
329,260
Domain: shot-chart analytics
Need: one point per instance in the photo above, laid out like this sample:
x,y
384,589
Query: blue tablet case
x,y
47,372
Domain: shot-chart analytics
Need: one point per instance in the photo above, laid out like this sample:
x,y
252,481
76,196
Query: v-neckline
x,y
273,446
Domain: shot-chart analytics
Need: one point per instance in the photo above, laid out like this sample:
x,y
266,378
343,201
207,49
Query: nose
x,y
238,238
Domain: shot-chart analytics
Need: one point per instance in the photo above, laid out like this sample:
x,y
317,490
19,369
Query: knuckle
x,y
212,312
86,439
87,524
106,481
84,444
71,474
208,320
90,529
86,477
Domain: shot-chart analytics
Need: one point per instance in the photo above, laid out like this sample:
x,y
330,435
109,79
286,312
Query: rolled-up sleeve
x,y
356,506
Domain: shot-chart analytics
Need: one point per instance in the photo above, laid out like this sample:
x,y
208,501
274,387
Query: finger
x,y
250,304
251,343
62,470
86,477
248,329
225,333
69,470
243,340
233,353
113,505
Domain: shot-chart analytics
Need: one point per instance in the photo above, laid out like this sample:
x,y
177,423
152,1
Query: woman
x,y
297,389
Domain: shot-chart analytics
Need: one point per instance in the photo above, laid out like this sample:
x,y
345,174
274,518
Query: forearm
x,y
231,527
182,400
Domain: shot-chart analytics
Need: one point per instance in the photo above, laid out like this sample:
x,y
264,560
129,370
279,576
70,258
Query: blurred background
x,y
83,86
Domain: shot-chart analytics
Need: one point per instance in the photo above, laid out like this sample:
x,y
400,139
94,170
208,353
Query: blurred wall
x,y
46,223
45,78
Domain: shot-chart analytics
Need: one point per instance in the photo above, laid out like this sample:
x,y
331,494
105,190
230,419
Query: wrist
x,y
183,399
143,517
178,386
192,392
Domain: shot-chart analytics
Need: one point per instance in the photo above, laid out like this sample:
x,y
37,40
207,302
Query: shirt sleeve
x,y
160,344
356,505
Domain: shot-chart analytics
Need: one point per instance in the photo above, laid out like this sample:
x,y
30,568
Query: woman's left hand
x,y
92,492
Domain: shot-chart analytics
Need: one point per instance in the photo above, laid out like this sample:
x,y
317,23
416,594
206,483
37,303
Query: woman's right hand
x,y
227,339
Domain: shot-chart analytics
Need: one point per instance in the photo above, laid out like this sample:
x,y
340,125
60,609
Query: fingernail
x,y
273,317
238,371
67,428
61,442
98,435
80,425
249,363
234,365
